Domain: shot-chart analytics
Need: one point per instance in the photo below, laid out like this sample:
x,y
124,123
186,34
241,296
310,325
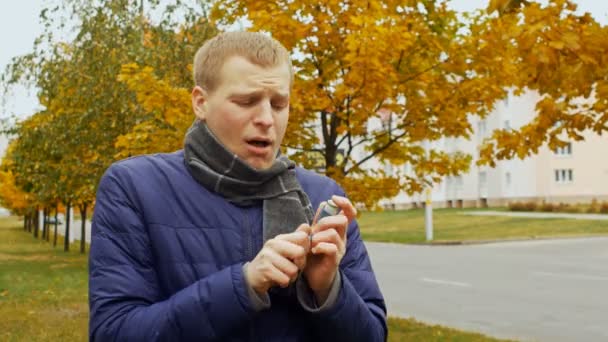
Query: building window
x,y
508,179
388,169
563,175
507,125
483,179
564,151
459,182
482,128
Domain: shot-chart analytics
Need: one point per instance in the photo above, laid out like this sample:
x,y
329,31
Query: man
x,y
218,241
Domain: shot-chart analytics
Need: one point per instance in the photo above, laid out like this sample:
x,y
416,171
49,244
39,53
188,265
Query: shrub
x,y
562,207
594,207
604,208
522,206
514,206
547,207
574,209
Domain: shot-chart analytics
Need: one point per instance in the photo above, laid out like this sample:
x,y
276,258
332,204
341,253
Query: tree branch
x,y
376,152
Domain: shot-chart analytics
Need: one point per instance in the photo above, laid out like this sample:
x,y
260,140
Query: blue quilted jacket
x,y
166,265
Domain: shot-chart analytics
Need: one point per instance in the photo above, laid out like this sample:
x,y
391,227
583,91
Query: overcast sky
x,y
19,27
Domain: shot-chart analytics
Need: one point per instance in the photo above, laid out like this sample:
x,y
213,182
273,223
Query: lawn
x,y
43,291
43,294
412,330
450,225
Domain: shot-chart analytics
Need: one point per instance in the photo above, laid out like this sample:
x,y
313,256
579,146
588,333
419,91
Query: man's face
x,y
248,110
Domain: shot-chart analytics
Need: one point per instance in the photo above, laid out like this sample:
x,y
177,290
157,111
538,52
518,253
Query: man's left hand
x,y
328,247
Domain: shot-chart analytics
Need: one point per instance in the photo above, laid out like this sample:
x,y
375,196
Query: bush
x,y
594,207
522,206
562,207
573,209
547,207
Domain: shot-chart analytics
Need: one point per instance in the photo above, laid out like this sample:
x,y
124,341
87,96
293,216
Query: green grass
x,y
43,291
407,226
412,330
43,294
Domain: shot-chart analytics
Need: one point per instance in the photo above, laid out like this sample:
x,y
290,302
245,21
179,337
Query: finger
x,y
287,249
325,248
285,266
314,220
304,228
346,206
299,237
300,263
338,222
274,276
328,236
308,230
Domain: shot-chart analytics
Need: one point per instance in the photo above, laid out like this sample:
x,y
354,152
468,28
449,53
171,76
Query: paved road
x,y
547,290
538,215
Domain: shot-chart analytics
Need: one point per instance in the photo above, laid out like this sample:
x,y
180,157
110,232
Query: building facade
x,y
576,173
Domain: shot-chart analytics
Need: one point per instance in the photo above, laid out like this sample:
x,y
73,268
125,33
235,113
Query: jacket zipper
x,y
249,256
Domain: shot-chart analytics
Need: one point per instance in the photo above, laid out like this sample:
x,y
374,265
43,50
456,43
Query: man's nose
x,y
264,116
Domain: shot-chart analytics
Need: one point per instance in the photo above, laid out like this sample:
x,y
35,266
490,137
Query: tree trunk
x,y
25,222
66,242
36,222
83,219
48,226
56,220
29,222
45,223
44,219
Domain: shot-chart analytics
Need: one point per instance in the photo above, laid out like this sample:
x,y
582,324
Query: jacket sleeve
x,y
359,313
124,296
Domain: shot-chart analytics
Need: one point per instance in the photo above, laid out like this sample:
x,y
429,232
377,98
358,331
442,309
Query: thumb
x,y
304,228
308,230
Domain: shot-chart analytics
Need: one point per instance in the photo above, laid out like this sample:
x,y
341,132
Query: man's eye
x,y
245,103
279,105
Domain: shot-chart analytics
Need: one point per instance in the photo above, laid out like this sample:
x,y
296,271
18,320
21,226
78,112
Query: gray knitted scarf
x,y
285,205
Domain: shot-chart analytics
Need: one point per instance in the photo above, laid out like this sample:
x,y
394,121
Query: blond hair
x,y
256,47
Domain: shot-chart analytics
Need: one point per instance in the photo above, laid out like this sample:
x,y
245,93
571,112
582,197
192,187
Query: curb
x,y
484,242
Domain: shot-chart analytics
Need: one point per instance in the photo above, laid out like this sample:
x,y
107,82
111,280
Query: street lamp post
x,y
428,207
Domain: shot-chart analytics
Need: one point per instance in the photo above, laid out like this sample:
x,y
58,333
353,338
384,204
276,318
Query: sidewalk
x,y
539,215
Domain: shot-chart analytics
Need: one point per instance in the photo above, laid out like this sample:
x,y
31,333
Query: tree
x,y
86,107
560,55
162,87
171,113
11,196
407,64
416,67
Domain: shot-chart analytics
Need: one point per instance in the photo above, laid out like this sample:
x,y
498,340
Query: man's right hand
x,y
280,260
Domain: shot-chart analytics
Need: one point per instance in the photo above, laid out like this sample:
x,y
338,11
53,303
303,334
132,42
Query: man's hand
x,y
279,261
328,248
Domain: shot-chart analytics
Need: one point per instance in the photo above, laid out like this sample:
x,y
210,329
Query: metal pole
x,y
428,215
428,207
142,23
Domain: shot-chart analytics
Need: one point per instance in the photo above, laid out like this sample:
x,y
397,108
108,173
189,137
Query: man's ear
x,y
199,102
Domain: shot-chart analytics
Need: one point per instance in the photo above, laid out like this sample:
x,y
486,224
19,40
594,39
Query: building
x,y
575,173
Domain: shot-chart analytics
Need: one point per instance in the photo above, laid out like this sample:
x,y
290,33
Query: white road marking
x,y
571,276
445,282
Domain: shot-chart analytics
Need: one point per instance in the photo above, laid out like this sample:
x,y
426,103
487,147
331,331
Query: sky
x,y
19,26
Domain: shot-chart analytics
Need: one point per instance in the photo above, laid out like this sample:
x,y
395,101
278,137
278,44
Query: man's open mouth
x,y
259,143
